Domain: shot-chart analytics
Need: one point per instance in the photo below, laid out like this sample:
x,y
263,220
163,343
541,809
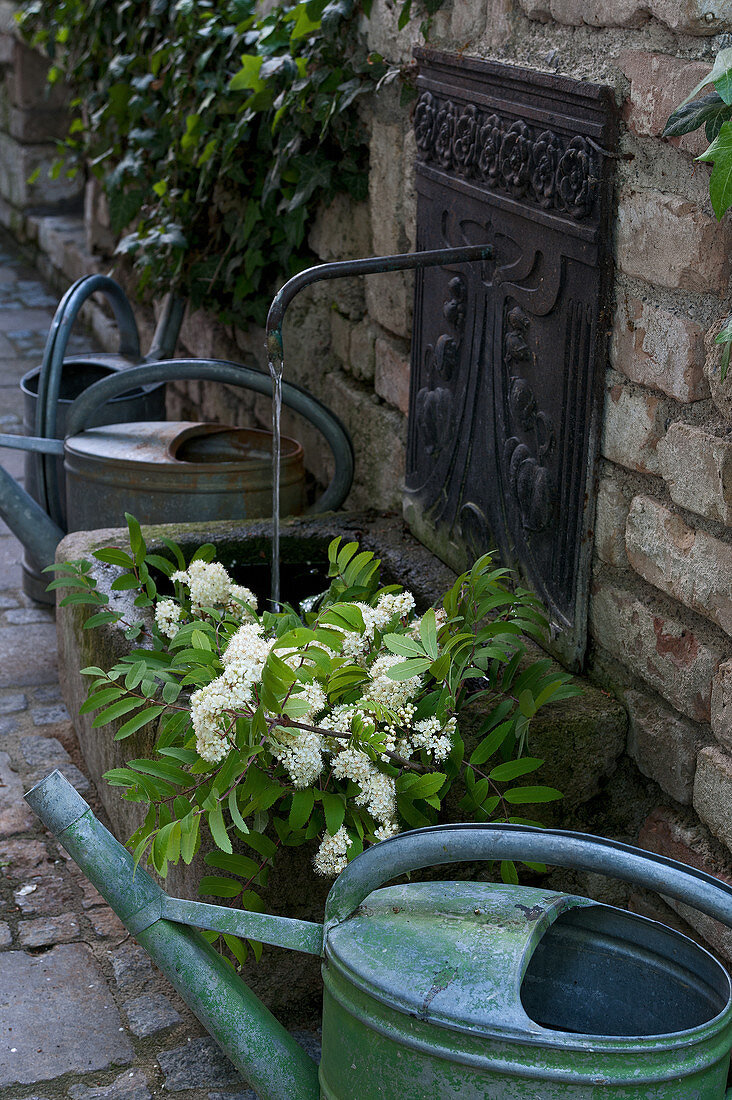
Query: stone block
x,y
46,896
663,744
65,1021
610,517
19,162
634,423
27,83
389,300
198,1064
15,814
687,564
48,930
378,440
341,230
672,834
391,379
655,647
131,1085
340,336
700,17
722,705
362,361
24,859
697,467
668,240
149,1014
43,754
658,348
713,792
658,83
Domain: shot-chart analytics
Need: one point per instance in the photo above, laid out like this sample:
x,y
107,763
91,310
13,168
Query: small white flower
x,y
167,617
331,857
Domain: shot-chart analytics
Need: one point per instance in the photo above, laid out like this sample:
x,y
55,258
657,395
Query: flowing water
x,y
276,366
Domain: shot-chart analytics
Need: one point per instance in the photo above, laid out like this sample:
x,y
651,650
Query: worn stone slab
x,y
15,814
132,967
149,1014
47,896
699,17
198,1064
6,936
17,643
25,859
49,930
43,754
106,923
131,1085
682,561
13,704
49,714
65,1021
22,616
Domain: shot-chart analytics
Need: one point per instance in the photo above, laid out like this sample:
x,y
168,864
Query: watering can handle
x,y
49,381
236,374
440,844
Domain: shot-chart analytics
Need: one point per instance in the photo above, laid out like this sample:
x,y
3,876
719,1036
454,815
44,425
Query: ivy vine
x,y
216,132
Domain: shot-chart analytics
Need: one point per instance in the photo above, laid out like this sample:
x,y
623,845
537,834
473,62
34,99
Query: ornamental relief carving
x,y
525,162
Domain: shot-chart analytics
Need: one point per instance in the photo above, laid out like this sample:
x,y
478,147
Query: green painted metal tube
x,y
257,1044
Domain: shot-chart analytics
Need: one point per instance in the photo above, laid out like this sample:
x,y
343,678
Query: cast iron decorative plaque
x,y
507,355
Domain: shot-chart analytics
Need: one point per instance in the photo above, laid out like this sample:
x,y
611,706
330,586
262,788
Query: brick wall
x,y
661,601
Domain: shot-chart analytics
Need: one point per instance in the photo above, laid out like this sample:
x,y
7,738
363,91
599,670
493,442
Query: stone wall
x,y
661,604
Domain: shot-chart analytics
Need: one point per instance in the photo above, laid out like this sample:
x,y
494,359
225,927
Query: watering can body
x,y
451,989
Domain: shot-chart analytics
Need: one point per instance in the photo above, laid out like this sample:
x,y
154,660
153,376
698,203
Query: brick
x,y
721,391
610,517
697,467
658,348
722,704
663,744
658,83
669,833
634,423
391,380
684,16
713,792
657,648
667,240
687,564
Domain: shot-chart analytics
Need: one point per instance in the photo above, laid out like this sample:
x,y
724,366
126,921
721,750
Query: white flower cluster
x,y
331,857
389,607
210,585
393,694
378,791
430,735
243,662
301,756
167,617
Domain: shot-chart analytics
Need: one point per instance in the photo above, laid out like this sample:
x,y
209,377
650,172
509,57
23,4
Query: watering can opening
x,y
76,376
212,443
604,971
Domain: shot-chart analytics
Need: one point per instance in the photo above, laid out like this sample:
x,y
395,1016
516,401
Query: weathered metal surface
x,y
260,1048
234,374
503,993
175,471
443,989
506,375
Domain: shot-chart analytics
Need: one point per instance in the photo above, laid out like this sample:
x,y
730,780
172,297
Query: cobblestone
x,y
42,932
198,1064
150,1013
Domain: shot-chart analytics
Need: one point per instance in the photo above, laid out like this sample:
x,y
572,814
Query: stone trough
x,y
580,739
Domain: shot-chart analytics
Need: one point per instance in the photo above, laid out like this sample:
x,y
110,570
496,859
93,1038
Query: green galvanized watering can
x,y
450,989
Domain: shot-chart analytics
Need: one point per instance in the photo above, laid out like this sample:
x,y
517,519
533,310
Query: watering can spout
x,y
257,1044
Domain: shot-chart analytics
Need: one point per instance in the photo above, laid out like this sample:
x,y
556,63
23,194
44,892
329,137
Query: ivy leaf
x,y
720,185
720,72
709,109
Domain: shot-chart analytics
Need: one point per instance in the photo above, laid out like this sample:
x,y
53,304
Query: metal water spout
x,y
447,989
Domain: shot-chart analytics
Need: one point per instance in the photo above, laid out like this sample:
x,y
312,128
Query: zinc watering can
x,y
438,990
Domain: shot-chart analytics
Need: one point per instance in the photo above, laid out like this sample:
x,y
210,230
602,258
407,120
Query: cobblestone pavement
x,y
84,1015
